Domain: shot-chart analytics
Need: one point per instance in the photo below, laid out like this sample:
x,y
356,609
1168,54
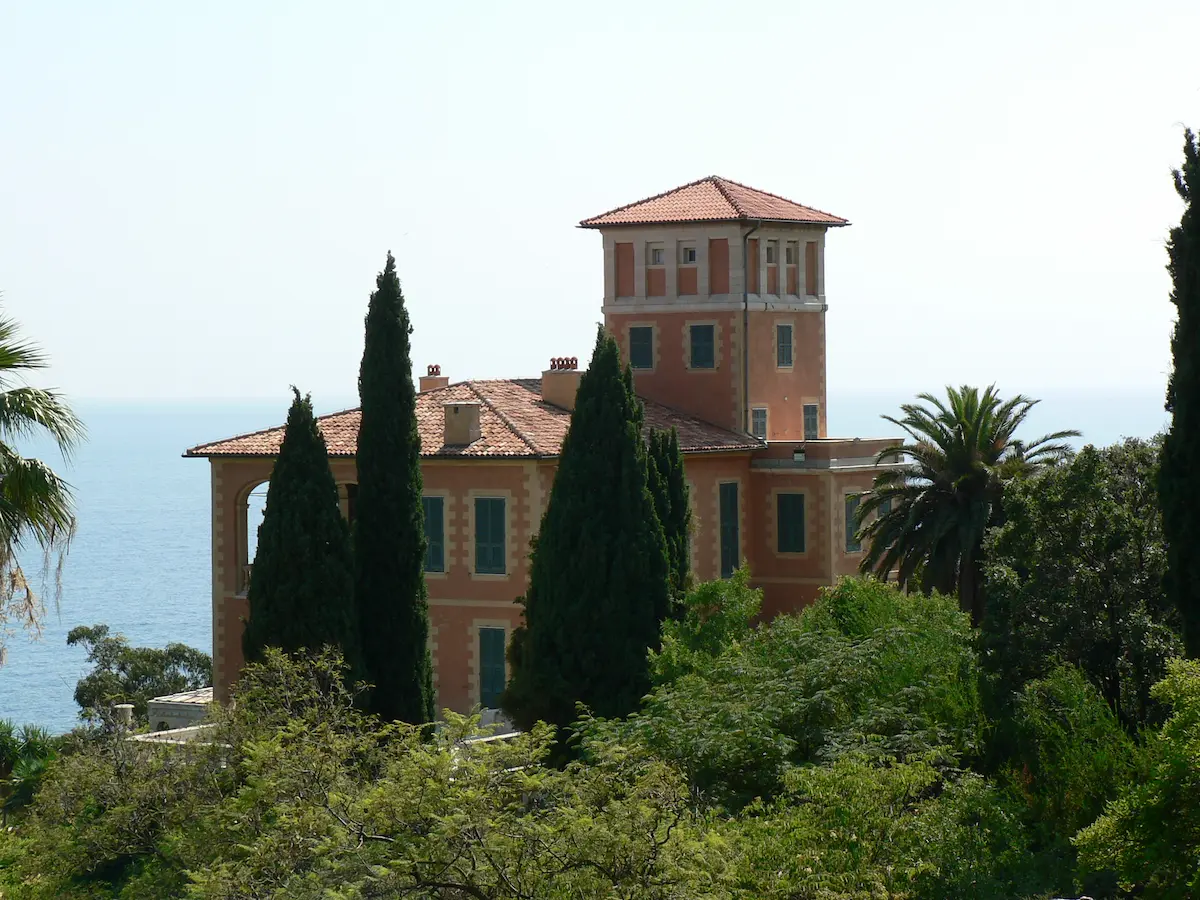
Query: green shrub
x,y
866,670
1150,835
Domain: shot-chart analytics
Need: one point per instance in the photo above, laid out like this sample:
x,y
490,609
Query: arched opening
x,y
250,515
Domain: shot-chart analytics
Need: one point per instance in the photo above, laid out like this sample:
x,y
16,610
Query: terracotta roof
x,y
712,199
514,421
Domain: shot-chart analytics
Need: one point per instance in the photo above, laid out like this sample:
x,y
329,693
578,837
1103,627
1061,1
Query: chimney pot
x,y
433,379
560,382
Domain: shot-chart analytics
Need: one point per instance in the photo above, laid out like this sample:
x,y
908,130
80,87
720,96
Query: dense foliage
x,y
25,756
668,485
869,671
124,674
1181,450
301,593
35,503
599,585
389,529
1150,835
832,755
1075,575
929,512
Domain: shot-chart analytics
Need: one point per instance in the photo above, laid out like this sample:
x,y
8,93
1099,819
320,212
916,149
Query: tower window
x,y
792,253
812,423
853,544
783,346
703,342
758,422
687,255
772,252
641,346
728,503
656,255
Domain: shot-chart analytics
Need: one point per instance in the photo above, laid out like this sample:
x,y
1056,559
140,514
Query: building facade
x,y
716,294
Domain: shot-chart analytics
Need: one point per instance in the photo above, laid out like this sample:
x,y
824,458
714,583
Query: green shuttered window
x,y
852,543
491,667
812,422
783,345
641,347
704,354
435,534
791,523
489,536
729,528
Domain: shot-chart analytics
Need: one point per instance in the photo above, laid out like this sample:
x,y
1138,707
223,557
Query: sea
x,y
141,559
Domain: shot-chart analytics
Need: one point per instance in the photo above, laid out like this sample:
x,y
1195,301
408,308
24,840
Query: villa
x,y
716,294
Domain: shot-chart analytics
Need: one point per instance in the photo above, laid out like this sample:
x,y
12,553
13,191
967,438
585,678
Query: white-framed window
x,y
758,422
687,254
655,254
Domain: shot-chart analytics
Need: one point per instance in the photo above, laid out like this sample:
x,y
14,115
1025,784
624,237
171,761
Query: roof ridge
x,y
719,184
503,418
648,199
776,196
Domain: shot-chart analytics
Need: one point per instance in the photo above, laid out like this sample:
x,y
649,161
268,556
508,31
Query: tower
x,y
715,292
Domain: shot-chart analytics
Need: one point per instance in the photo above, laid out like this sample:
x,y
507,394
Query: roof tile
x,y
514,421
712,199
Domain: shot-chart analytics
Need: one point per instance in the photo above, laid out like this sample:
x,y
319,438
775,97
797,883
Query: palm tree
x,y
35,504
943,489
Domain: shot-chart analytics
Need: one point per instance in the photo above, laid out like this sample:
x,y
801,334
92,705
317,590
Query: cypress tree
x,y
598,573
1179,477
671,502
389,530
301,592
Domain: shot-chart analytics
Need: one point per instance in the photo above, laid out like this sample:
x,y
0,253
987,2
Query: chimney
x,y
433,379
462,424
561,381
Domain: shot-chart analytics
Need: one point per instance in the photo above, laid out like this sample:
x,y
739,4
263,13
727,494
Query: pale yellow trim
x,y
773,523
687,344
510,556
473,662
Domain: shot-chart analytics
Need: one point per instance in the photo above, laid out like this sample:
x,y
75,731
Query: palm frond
x,y
26,411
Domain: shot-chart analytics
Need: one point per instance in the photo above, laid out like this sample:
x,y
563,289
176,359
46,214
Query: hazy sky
x,y
195,198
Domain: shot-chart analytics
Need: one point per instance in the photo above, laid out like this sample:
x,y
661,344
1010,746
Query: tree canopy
x,y
944,486
35,504
599,582
389,529
301,593
1180,485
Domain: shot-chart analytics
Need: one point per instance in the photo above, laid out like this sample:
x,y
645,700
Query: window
x,y
641,346
812,423
810,268
853,545
790,520
758,423
703,349
435,534
489,536
491,667
783,346
687,255
655,255
729,528
792,253
772,252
